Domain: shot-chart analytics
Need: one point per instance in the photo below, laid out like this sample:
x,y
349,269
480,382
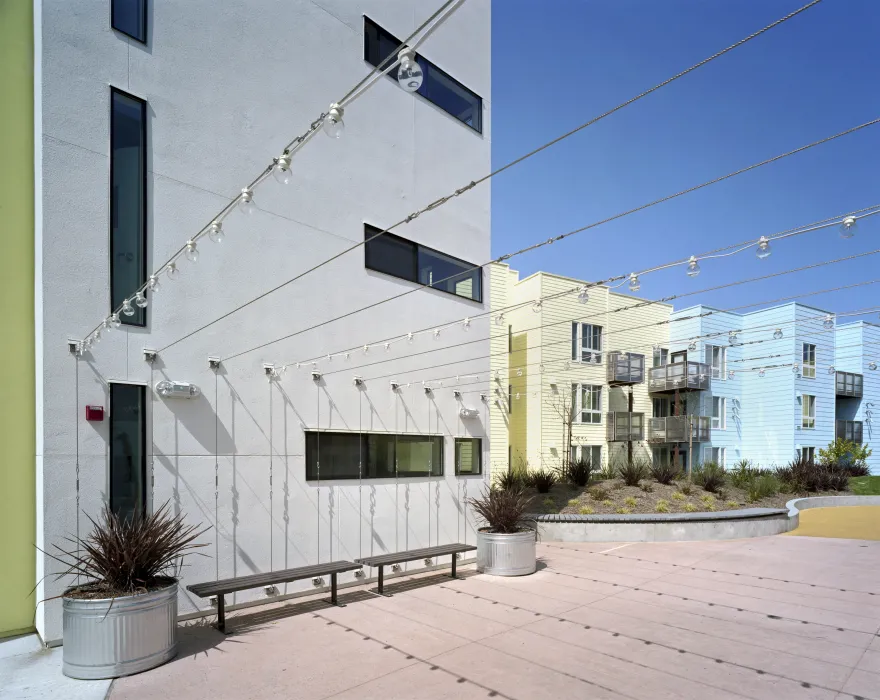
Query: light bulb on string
x,y
848,227
409,75
761,372
366,349
96,336
829,322
466,323
127,308
536,307
731,374
583,295
777,334
831,369
191,251
872,365
795,368
246,201
172,271
541,369
693,267
499,320
763,248
153,284
105,326
436,333
387,347
114,320
216,233
692,346
634,284
731,338
333,124
519,372
281,169
409,337
140,300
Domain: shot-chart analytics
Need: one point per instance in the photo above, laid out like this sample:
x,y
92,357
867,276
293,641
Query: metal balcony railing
x,y
623,426
680,376
848,384
848,430
625,368
674,429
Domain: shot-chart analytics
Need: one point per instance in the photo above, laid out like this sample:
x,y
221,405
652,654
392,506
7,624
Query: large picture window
x,y
128,459
128,195
401,258
437,87
587,403
332,455
130,18
468,456
586,343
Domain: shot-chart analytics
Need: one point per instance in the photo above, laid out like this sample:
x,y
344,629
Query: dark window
x,y
468,456
510,398
128,460
510,339
130,17
437,86
399,257
128,195
372,455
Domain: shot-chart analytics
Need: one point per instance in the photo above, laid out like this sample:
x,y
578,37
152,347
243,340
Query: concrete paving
x,y
861,522
771,618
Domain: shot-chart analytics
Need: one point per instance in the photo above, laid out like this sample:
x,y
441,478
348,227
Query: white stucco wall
x,y
228,84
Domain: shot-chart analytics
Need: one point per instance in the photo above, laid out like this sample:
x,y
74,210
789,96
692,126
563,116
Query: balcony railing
x,y
848,384
674,429
625,368
680,376
848,430
623,427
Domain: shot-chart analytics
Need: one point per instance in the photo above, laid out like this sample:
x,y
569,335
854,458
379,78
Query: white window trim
x,y
577,452
805,417
710,360
805,365
722,419
579,404
722,455
596,353
808,447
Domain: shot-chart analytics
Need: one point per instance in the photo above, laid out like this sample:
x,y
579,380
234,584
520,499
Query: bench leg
x,y
221,613
333,589
454,560
381,580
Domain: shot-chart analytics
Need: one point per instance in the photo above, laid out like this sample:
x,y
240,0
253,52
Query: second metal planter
x,y
501,554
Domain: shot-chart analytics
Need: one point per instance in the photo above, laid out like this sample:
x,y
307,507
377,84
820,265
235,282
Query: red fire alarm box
x,y
95,413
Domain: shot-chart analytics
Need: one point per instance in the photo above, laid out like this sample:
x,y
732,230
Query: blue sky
x,y
556,64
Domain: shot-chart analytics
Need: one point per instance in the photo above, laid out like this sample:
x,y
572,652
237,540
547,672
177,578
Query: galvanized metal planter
x,y
107,638
501,554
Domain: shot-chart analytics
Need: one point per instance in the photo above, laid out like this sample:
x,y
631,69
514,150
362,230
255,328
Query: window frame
x,y
478,454
808,349
660,357
311,474
577,452
122,31
808,452
371,232
139,313
578,350
142,408
717,455
722,413
578,390
721,369
808,418
427,68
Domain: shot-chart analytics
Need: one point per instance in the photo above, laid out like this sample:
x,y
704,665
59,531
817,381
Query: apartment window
x,y
128,458
716,356
586,343
331,455
438,87
661,356
128,197
808,412
715,454
719,412
808,366
401,258
586,403
808,453
660,408
590,453
130,18
468,456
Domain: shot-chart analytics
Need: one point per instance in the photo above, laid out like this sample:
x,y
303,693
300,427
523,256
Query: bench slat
x,y
413,554
241,583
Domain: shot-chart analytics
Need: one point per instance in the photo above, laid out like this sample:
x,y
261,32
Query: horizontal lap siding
x,y
810,330
869,411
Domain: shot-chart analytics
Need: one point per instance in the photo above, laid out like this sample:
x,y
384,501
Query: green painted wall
x,y
17,420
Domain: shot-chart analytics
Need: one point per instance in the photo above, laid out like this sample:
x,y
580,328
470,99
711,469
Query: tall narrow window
x,y
716,356
808,369
128,460
586,343
808,412
468,456
128,199
808,453
719,412
587,403
661,356
130,18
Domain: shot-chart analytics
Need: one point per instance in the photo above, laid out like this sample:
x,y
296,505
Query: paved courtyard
x,y
774,618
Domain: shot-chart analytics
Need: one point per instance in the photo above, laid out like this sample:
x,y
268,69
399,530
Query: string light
x,y
215,232
583,295
848,227
409,75
191,251
693,267
246,201
466,323
333,124
761,372
731,374
872,365
436,333
829,321
831,369
537,306
153,284
795,368
634,284
114,320
140,300
499,320
731,338
127,308
763,248
693,345
777,334
366,349
281,170
172,271
409,337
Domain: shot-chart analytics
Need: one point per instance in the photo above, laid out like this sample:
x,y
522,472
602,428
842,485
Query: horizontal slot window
x,y
437,87
332,455
401,258
468,456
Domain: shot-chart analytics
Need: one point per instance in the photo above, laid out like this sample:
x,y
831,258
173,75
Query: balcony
x,y
680,376
625,368
848,430
624,427
674,429
848,384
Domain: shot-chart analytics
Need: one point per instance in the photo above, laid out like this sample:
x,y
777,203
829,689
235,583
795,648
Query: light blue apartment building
x,y
766,385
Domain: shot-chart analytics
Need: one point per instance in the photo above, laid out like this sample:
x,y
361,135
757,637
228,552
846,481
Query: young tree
x,y
564,403
845,452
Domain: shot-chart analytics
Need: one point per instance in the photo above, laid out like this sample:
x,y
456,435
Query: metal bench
x,y
241,583
382,560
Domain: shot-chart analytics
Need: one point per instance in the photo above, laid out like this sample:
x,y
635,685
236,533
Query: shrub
x,y
607,503
617,485
732,504
623,511
606,472
710,476
515,478
123,556
597,493
678,496
646,486
542,479
743,473
664,473
630,502
855,470
574,502
762,487
549,502
686,488
586,510
576,472
805,475
633,472
846,454
501,509
690,508
662,506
